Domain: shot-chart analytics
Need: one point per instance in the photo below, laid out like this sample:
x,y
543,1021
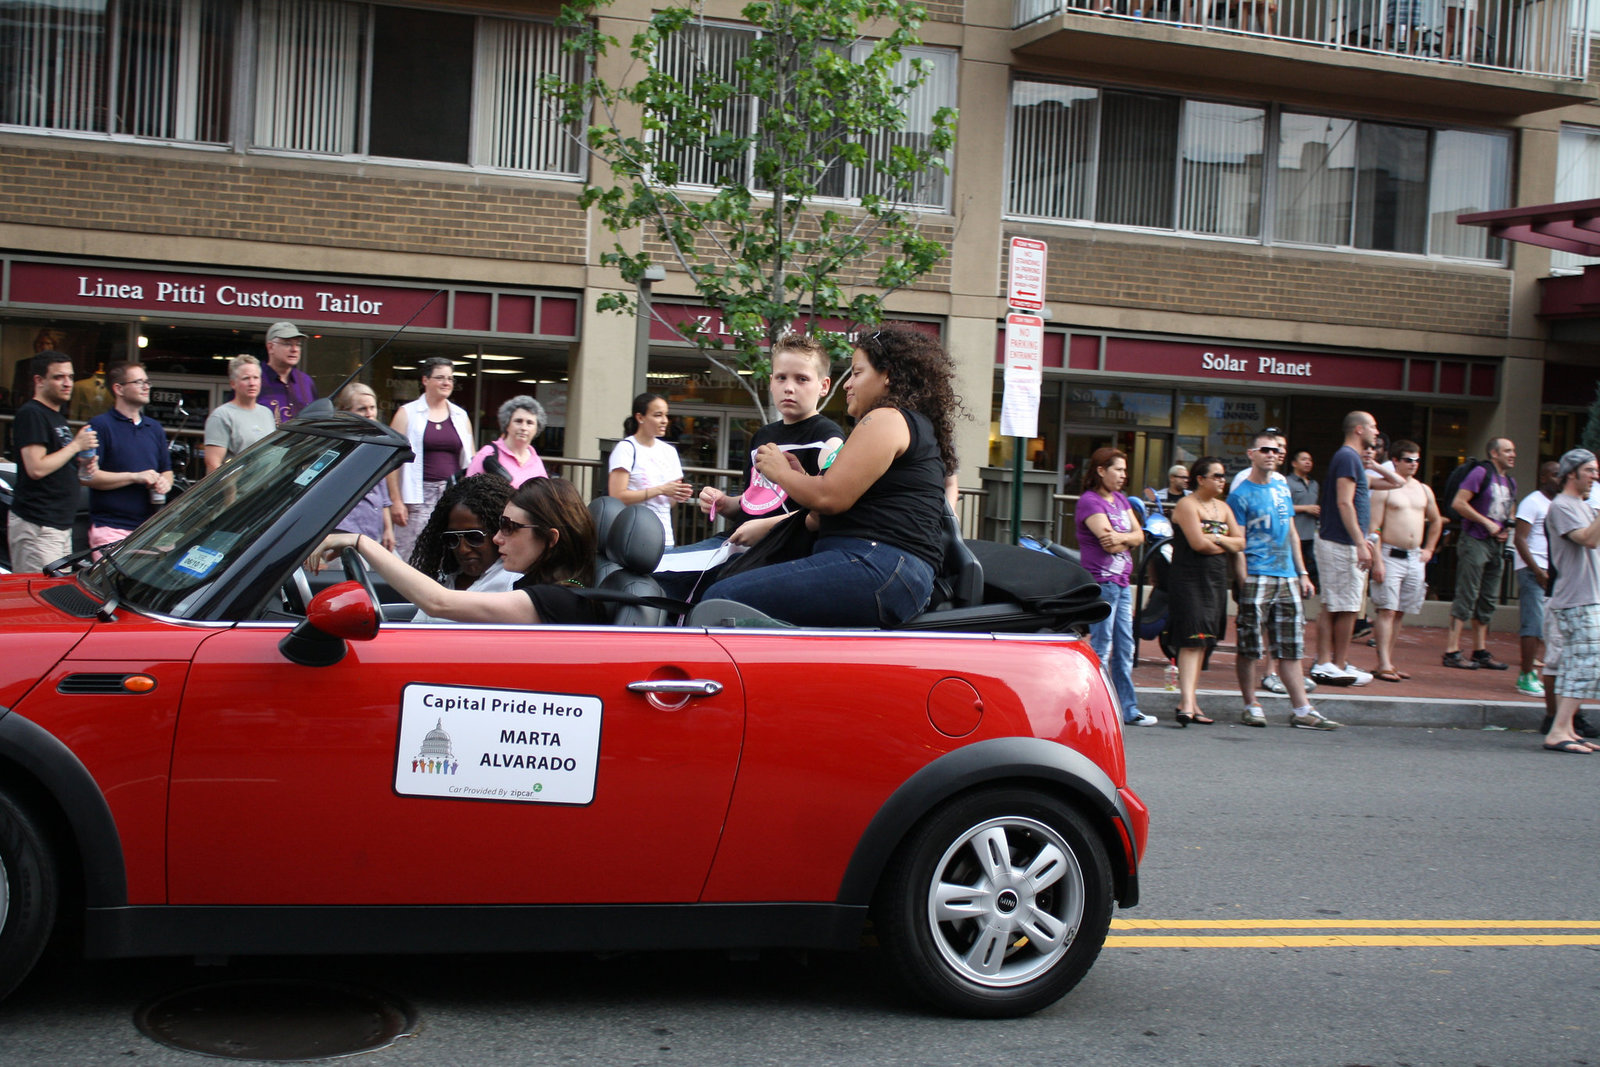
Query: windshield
x,y
166,564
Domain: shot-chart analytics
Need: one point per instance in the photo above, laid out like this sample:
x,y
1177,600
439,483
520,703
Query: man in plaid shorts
x,y
1271,576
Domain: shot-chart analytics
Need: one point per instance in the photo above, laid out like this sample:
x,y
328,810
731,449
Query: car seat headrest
x,y
605,510
636,539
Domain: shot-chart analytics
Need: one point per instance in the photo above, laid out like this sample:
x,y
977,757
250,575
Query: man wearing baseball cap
x,y
285,388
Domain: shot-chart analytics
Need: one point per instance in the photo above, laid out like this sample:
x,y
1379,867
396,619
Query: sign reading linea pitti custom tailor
x,y
1126,355
123,289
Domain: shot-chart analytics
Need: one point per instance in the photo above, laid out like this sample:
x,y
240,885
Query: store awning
x,y
1570,227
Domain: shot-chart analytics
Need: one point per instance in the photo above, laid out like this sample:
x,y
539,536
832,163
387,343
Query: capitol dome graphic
x,y
436,755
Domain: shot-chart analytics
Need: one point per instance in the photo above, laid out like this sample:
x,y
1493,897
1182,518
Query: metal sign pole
x,y
1019,406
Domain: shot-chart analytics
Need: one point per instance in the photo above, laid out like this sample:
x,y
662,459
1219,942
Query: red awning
x,y
1570,227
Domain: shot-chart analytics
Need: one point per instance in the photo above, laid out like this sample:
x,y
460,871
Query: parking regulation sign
x,y
1019,404
1025,274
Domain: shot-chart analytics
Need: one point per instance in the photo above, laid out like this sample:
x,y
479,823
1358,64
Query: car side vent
x,y
91,684
72,600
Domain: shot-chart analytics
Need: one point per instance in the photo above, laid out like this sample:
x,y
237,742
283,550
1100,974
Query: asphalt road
x,y
1297,877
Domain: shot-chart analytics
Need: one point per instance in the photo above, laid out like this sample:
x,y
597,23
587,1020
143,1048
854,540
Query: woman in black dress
x,y
1197,582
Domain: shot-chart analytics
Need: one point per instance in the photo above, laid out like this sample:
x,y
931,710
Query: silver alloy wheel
x,y
1006,901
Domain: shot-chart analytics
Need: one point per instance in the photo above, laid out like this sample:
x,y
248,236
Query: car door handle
x,y
686,687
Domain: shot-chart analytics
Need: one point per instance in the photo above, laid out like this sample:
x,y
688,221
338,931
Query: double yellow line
x,y
1356,933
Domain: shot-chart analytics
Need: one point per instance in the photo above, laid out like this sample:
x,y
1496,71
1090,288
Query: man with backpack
x,y
1485,500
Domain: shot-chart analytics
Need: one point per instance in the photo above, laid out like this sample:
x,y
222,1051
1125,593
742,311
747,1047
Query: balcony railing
x,y
1543,37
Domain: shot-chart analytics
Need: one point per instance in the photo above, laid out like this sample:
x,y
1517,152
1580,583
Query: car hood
x,y
33,635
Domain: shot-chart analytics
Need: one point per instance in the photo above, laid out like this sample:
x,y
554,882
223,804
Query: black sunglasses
x,y
1270,450
453,538
509,526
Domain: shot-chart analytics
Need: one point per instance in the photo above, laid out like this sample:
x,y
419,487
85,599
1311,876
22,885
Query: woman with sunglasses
x,y
545,535
880,507
1197,580
457,546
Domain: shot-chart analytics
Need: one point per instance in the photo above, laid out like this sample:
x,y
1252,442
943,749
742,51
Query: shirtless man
x,y
1408,523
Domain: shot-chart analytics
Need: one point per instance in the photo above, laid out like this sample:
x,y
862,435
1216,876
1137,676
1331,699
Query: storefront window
x,y
1223,426
92,345
1119,407
1042,450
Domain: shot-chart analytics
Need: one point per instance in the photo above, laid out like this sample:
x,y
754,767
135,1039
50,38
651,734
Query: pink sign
x,y
1126,355
704,320
262,299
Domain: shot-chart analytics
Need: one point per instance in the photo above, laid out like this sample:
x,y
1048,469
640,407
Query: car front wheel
x,y
28,893
996,905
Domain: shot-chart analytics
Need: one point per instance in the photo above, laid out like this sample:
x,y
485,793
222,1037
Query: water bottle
x,y
1172,676
85,461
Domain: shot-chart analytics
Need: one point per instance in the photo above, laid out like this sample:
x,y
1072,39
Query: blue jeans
x,y
846,581
1530,605
1112,640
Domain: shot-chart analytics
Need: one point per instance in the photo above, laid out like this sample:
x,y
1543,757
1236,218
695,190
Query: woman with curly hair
x,y
879,509
457,546
546,537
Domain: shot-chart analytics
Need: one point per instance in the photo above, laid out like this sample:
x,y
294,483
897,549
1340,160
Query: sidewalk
x,y
1434,695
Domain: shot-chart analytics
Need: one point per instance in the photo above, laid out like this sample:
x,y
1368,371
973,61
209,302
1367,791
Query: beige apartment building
x,y
1249,208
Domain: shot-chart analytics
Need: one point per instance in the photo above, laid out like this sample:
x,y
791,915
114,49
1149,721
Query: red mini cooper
x,y
201,757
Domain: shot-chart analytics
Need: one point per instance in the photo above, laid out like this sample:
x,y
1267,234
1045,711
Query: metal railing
x,y
1546,37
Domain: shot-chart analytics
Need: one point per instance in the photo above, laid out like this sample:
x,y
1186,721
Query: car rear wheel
x,y
28,891
996,905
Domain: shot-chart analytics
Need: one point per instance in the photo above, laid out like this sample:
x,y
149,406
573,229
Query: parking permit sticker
x,y
318,465
467,743
199,561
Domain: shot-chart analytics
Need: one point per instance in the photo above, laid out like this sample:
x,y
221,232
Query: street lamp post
x,y
641,338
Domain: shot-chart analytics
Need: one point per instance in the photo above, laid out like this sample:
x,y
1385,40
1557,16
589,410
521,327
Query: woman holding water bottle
x,y
1108,532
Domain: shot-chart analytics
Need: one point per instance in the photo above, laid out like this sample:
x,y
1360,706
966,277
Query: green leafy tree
x,y
783,183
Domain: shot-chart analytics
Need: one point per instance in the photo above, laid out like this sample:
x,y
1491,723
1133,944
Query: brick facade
x,y
486,217
1292,285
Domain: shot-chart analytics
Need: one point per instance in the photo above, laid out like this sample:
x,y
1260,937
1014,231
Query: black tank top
x,y
905,506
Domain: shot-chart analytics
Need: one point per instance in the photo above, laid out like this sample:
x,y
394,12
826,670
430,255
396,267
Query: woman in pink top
x,y
521,419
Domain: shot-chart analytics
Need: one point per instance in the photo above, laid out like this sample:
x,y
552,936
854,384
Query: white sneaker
x,y
1273,684
1328,674
1311,720
1141,720
1253,716
1356,675
1310,685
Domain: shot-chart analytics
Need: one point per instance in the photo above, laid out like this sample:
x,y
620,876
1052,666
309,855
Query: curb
x,y
1361,710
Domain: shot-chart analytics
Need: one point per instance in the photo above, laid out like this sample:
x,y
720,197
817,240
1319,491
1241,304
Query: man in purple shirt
x,y
1486,502
285,388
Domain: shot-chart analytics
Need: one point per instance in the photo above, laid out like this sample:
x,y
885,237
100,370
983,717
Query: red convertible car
x,y
197,756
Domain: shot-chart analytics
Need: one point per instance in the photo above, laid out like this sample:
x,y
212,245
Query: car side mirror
x,y
338,614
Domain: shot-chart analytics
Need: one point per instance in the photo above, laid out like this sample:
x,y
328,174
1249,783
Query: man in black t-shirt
x,y
799,381
39,529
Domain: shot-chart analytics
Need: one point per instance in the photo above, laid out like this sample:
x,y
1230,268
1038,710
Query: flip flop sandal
x,y
1388,676
1577,747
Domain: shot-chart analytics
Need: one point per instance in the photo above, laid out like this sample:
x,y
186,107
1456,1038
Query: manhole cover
x,y
275,1020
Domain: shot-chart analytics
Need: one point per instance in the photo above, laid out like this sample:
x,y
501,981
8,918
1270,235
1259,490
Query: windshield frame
x,y
222,550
